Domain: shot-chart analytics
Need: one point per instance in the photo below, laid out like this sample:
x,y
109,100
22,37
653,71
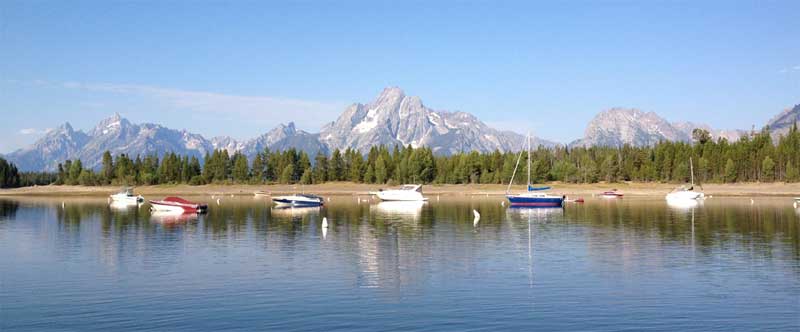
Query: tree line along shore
x,y
753,158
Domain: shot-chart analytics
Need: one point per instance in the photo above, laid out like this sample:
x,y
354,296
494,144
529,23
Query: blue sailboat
x,y
535,196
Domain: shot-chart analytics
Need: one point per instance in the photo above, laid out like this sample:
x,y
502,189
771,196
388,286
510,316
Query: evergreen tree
x,y
730,171
767,169
107,168
241,171
287,174
336,166
380,170
792,173
75,171
320,168
307,176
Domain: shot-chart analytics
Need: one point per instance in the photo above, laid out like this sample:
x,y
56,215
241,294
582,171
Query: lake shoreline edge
x,y
636,189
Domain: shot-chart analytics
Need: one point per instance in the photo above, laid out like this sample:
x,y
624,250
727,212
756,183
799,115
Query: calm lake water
x,y
631,264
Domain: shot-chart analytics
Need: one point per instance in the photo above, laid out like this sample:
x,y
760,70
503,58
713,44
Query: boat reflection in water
x,y
401,210
295,211
171,218
533,213
124,206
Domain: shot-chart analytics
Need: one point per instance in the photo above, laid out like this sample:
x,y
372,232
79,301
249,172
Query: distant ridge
x,y
620,126
393,118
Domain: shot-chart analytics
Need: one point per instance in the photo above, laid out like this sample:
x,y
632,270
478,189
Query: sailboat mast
x,y
529,162
691,170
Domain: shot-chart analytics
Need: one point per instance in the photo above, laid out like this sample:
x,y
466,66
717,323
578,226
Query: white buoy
x,y
795,205
329,199
324,223
231,195
64,206
751,201
502,203
477,217
217,201
437,198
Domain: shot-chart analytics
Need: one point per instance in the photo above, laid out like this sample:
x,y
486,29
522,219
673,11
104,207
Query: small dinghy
x,y
574,200
298,200
178,205
613,193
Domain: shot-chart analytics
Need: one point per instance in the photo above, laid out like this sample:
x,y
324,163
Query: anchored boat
x,y
408,192
177,205
613,193
126,196
298,200
686,193
535,196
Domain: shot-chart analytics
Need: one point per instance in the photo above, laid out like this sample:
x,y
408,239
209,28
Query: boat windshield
x,y
410,187
126,191
309,196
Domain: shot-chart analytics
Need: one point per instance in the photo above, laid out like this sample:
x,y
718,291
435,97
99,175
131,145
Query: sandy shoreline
x,y
347,188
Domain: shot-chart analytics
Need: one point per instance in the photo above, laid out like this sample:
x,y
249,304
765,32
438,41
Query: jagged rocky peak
x,y
390,95
394,118
112,124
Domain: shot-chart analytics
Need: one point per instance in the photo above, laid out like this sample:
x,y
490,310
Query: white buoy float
x,y
477,217
217,201
324,222
752,202
502,203
64,206
795,205
437,198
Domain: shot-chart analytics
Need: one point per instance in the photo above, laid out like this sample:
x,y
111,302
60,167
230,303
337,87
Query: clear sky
x,y
239,68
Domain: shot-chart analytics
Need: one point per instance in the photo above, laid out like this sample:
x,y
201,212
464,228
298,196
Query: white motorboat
x,y
125,195
686,193
408,192
298,200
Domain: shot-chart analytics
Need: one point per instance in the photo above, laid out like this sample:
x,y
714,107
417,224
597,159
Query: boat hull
x,y
685,195
522,201
399,196
177,205
124,199
296,201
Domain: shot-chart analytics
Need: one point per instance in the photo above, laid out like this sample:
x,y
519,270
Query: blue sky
x,y
240,68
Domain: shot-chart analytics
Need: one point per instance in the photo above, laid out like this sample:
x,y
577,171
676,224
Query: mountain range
x,y
619,126
391,119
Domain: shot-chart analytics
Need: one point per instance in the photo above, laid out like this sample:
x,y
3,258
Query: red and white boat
x,y
177,205
612,194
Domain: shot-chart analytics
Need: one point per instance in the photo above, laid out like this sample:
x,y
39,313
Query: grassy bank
x,y
348,188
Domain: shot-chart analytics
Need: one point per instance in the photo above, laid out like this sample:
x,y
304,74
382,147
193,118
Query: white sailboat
x,y
683,193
